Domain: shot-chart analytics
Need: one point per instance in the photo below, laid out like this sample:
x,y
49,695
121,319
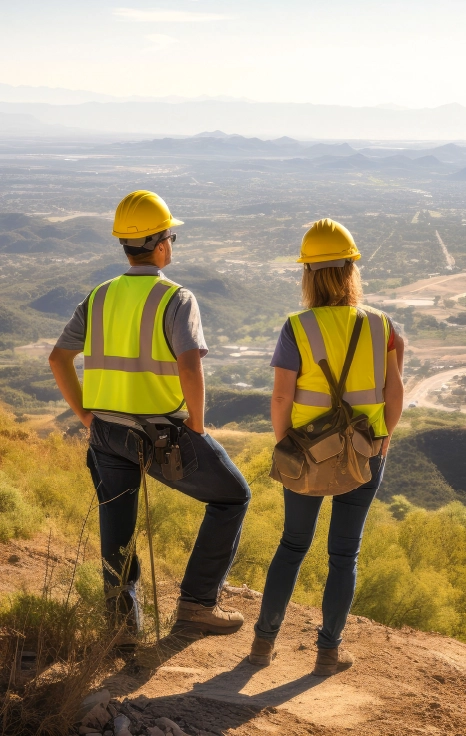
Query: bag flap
x,y
362,443
288,458
326,448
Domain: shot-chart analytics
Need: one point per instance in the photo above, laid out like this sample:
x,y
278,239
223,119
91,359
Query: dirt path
x,y
449,258
404,682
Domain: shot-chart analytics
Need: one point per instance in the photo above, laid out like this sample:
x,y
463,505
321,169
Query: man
x,y
142,339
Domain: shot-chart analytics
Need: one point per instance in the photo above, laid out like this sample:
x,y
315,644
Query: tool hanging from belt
x,y
164,437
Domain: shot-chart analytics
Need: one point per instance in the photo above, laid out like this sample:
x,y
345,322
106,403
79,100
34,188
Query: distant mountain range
x,y
179,117
295,153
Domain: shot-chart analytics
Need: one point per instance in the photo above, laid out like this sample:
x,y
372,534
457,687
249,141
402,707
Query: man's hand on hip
x,y
195,426
86,417
192,384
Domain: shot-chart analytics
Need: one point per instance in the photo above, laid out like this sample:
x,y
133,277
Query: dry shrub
x,y
48,704
71,641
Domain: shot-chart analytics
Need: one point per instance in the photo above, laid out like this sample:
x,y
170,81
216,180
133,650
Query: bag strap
x,y
337,390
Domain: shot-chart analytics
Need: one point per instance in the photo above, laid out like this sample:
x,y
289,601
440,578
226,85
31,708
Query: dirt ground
x,y
403,682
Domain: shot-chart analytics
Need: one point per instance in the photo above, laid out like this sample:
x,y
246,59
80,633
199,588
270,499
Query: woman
x,y
331,288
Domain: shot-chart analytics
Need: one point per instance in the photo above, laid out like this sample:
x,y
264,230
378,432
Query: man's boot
x,y
331,661
196,620
124,613
262,652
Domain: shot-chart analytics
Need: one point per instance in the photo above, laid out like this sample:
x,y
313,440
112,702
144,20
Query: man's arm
x,y
284,388
192,384
62,365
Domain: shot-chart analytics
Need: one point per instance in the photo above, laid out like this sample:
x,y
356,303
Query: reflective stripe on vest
x,y
145,362
319,352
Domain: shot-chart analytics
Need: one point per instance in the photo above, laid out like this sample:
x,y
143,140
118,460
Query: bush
x,y
412,566
17,518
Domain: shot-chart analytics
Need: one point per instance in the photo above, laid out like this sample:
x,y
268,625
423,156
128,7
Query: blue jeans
x,y
349,512
209,476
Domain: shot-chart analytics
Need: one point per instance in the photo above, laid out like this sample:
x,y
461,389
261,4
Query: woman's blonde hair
x,y
332,286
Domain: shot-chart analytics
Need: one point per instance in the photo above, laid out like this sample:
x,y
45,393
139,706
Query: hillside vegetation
x,y
412,567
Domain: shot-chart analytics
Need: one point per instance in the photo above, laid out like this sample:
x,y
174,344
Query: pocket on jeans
x,y
377,464
188,453
99,432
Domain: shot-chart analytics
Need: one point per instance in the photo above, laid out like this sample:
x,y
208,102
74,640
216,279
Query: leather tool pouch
x,y
166,442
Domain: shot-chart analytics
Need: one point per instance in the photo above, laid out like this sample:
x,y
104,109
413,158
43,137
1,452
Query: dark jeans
x,y
209,476
349,512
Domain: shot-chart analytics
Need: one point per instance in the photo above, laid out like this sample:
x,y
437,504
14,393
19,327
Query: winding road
x,y
419,392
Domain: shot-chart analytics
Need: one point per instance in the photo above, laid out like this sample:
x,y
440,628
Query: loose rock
x,y
121,726
97,718
100,698
176,730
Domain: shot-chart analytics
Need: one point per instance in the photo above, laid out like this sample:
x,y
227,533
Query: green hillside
x,y
412,567
48,268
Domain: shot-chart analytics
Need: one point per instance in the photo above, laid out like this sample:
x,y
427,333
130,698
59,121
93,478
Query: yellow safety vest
x,y
325,332
128,364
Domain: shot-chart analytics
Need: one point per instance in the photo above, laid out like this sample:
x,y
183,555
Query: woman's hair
x,y
332,286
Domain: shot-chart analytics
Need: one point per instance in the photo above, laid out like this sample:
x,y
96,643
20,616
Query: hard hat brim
x,y
150,231
320,259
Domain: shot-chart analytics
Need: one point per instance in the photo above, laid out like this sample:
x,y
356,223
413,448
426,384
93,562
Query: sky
x,y
346,52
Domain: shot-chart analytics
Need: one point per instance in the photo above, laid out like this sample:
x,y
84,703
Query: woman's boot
x,y
262,652
331,661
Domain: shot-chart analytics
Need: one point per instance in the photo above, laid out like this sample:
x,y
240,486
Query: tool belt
x,y
330,455
163,435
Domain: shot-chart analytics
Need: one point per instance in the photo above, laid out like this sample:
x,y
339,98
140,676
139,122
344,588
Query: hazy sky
x,y
352,52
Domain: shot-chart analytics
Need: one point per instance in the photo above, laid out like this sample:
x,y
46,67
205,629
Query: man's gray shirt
x,y
183,326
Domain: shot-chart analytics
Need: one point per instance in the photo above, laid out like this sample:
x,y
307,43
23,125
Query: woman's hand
x,y
385,446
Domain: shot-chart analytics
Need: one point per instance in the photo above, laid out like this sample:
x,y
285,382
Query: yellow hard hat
x,y
327,240
140,214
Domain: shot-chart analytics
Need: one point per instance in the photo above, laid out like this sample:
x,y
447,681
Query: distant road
x,y
449,259
419,392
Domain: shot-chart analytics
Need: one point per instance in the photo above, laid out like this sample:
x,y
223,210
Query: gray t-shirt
x,y
183,326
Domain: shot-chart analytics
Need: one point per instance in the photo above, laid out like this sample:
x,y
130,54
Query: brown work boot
x,y
196,620
331,661
262,652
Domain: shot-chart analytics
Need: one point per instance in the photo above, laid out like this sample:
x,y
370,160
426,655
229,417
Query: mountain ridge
x,y
301,120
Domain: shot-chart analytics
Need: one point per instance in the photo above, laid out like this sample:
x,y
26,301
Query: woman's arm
x,y
282,401
393,396
400,352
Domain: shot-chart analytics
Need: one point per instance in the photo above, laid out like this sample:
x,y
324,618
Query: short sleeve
x,y
391,336
286,353
73,336
183,326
